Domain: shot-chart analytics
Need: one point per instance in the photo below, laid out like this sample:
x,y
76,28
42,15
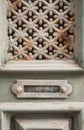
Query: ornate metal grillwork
x,y
41,29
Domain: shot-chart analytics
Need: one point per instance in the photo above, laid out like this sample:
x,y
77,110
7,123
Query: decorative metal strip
x,y
41,29
42,88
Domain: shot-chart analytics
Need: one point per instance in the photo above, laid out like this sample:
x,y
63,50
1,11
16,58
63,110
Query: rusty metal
x,y
40,34
14,3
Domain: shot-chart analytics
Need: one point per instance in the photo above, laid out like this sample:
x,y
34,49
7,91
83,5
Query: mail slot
x,y
42,88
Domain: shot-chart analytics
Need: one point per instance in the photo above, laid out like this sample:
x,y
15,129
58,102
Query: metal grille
x,y
41,29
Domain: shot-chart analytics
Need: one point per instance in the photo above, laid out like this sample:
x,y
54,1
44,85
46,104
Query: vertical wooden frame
x,y
79,32
3,31
82,34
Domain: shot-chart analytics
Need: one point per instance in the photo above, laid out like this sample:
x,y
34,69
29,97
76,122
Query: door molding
x,y
76,108
42,106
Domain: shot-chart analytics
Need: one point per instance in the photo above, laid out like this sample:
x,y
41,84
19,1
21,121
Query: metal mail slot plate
x,y
42,88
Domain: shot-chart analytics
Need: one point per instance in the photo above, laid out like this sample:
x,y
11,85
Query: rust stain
x,y
71,108
27,57
29,45
72,20
14,3
67,38
64,33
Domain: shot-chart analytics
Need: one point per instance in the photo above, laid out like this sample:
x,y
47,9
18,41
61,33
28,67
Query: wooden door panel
x,y
43,121
57,124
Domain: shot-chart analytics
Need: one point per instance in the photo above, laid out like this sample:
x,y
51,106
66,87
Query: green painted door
x,y
41,65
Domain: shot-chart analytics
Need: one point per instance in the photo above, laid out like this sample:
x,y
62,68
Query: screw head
x,y
64,89
19,89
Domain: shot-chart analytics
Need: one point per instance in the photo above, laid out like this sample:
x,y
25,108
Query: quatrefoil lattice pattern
x,y
41,29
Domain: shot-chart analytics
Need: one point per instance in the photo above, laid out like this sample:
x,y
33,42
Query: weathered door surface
x,y
41,65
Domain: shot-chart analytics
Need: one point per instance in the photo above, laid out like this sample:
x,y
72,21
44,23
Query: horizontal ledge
x,y
42,106
41,66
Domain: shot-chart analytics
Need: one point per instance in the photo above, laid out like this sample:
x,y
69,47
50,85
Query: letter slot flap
x,y
42,88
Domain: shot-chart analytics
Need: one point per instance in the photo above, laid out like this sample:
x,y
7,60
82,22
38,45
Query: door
x,y
41,65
